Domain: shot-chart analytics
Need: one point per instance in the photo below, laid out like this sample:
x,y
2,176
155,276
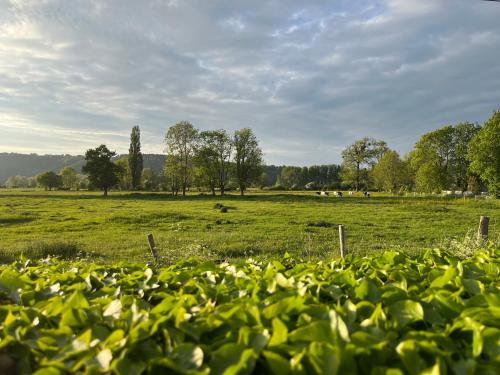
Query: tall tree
x,y
442,156
462,135
70,179
213,158
124,174
484,153
206,160
291,177
434,153
248,158
135,159
150,180
49,180
358,157
101,171
172,173
20,182
181,140
390,172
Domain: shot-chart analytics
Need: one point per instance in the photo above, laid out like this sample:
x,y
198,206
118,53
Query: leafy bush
x,y
382,314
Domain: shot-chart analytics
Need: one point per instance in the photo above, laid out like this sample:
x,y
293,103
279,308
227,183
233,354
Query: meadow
x,y
36,223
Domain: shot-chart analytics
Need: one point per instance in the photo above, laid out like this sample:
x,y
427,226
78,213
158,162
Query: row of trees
x,y
211,158
68,179
194,158
461,157
314,177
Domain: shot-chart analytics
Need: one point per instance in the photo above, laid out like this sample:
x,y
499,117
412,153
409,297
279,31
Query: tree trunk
x,y
242,190
105,191
183,190
213,191
222,190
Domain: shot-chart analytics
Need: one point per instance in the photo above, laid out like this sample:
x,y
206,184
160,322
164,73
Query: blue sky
x,y
309,77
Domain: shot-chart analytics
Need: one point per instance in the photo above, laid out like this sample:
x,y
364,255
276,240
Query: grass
x,y
37,223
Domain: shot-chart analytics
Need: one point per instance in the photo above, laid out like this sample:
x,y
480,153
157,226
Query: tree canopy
x,y
181,140
357,158
49,180
135,158
101,171
484,153
247,158
390,173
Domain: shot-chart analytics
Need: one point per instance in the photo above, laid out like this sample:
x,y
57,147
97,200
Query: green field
x,y
260,224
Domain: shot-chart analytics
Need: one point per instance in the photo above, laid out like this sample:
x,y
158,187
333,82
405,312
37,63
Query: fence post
x,y
152,246
343,251
482,233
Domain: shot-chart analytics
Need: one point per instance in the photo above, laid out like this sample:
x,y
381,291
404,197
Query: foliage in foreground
x,y
385,314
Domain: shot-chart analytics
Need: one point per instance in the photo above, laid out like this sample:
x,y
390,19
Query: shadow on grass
x,y
164,196
15,220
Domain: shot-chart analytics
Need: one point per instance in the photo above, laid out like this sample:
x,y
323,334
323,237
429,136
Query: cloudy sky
x,y
309,77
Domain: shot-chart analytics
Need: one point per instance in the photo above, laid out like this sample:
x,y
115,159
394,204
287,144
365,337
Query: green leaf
x,y
77,301
446,278
276,363
407,311
280,333
472,286
49,371
408,352
283,306
125,366
367,290
75,318
104,358
188,356
337,325
114,309
324,358
232,359
315,331
252,337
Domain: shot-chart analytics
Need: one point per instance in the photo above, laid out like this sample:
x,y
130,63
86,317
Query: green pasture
x,y
259,224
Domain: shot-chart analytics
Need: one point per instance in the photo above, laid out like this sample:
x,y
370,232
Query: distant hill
x,y
12,164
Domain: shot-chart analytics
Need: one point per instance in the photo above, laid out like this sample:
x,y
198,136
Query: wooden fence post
x,y
343,251
152,246
482,233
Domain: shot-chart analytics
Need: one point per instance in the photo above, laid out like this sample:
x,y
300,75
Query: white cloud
x,y
308,76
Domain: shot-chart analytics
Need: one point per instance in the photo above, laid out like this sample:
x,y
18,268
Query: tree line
x,y
462,157
211,159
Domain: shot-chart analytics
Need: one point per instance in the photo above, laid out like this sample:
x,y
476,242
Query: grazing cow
x,y
366,194
338,193
351,193
322,193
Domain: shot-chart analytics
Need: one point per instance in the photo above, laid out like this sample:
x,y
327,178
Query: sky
x,y
309,77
